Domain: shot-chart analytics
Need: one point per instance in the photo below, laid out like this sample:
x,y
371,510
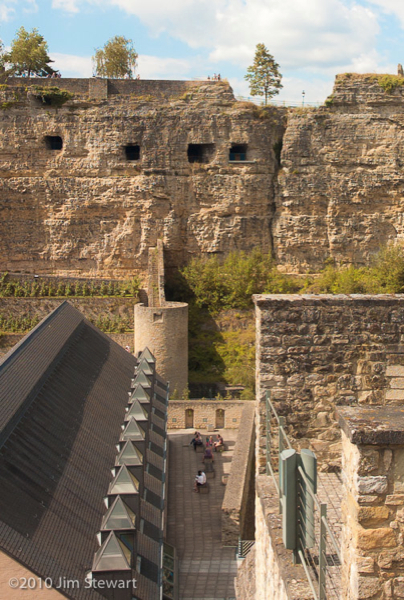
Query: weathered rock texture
x,y
86,209
340,189
373,507
315,353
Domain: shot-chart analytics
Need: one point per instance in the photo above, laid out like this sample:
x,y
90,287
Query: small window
x,y
54,142
200,153
234,420
238,152
157,317
132,152
174,420
204,420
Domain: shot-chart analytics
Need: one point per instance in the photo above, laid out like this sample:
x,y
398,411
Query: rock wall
x,y
341,186
89,210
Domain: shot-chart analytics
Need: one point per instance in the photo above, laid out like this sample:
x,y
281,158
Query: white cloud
x,y
297,32
152,67
394,7
69,6
72,66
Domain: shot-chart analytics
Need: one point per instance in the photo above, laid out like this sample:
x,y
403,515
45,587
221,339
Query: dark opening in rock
x,y
200,153
54,142
238,152
132,152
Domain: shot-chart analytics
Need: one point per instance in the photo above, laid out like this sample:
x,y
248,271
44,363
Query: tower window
x,y
132,152
200,153
54,142
238,152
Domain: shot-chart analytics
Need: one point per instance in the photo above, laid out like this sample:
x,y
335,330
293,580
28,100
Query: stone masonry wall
x,y
316,353
205,413
373,505
235,501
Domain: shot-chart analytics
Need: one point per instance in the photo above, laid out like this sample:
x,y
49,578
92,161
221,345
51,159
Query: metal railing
x,y
283,103
244,547
314,544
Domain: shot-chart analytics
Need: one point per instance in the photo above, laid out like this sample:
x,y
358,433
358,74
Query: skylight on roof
x,y
124,483
119,516
137,412
129,455
132,431
112,556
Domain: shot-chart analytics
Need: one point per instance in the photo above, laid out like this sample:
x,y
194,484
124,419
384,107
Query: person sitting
x,y
200,480
197,440
219,442
208,454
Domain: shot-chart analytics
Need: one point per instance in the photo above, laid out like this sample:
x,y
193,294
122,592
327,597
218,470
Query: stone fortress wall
x,y
318,353
315,183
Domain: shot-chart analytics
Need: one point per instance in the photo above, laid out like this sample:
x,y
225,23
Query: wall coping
x,y
292,576
379,425
263,300
212,401
234,494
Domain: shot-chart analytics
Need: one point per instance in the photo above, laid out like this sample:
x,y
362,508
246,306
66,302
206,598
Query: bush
x,y
390,82
230,284
52,95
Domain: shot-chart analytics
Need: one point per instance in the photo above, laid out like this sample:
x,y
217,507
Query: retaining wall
x,y
205,413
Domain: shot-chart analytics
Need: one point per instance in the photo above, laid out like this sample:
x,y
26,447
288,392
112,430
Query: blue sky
x,y
312,40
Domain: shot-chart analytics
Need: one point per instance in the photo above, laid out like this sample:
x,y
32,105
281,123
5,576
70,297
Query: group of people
x,y
214,77
210,447
54,75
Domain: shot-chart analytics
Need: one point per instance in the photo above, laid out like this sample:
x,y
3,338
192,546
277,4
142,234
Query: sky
x,y
312,40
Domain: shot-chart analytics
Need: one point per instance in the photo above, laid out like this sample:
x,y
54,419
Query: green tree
x,y
117,59
263,75
29,53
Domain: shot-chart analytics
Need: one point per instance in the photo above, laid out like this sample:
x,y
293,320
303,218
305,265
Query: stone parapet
x,y
319,352
205,413
240,480
276,577
373,506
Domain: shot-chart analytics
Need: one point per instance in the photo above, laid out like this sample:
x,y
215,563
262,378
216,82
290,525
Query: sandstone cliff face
x,y
86,209
341,186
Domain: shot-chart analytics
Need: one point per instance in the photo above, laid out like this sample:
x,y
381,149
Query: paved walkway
x,y
206,570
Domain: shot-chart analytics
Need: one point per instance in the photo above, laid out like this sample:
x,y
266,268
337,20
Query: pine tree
x,y
263,75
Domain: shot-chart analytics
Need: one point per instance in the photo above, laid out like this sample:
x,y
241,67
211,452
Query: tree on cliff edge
x,y
29,53
263,75
116,59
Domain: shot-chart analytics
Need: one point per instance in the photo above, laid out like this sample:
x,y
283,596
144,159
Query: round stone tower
x,y
164,330
162,326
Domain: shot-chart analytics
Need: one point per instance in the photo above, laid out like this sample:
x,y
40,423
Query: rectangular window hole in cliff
x,y
132,152
157,317
200,153
54,142
238,152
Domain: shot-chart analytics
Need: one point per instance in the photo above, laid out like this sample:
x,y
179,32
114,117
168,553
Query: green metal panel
x,y
288,460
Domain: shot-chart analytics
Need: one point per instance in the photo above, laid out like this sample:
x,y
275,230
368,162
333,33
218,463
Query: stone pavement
x,y
206,570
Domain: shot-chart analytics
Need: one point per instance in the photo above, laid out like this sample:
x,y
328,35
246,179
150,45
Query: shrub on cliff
x,y
220,285
52,95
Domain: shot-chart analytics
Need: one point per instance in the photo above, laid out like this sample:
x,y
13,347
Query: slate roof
x,y
63,393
